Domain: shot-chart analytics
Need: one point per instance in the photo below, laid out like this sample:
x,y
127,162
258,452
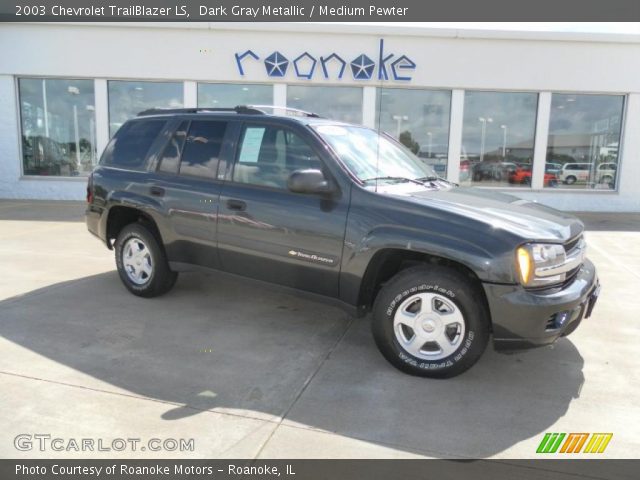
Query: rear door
x,y
266,231
186,179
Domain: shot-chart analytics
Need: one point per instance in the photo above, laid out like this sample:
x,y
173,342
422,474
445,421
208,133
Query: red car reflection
x,y
522,175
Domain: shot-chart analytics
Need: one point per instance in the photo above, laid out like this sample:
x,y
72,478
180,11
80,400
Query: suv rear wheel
x,y
430,322
570,180
142,264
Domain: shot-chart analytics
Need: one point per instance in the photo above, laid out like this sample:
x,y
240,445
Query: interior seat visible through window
x,y
268,155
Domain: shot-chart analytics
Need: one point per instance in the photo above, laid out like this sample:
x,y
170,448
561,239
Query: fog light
x,y
562,318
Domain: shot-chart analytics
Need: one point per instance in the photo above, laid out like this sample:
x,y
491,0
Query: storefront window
x,y
497,139
336,103
127,99
58,126
227,95
419,119
584,139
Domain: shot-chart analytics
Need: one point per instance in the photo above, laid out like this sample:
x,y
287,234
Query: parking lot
x,y
248,371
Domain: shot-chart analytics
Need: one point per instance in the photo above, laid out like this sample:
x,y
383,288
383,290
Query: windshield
x,y
374,157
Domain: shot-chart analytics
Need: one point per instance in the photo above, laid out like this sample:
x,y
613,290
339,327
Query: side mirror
x,y
308,181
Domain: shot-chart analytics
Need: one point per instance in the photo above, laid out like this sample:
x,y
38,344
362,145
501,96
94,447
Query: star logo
x,y
362,68
276,64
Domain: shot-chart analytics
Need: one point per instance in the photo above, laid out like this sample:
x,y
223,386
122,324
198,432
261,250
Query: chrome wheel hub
x,y
137,262
429,326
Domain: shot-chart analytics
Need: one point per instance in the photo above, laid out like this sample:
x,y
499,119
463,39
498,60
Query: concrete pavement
x,y
248,372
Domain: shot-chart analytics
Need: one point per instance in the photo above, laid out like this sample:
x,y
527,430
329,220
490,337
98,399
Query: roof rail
x,y
165,111
246,109
295,111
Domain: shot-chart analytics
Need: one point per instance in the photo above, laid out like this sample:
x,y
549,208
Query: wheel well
x,y
388,262
120,217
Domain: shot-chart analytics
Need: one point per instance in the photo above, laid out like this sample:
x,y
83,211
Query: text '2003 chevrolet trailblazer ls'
x,y
348,214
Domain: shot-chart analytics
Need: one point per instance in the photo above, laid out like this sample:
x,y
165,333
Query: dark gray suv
x,y
346,214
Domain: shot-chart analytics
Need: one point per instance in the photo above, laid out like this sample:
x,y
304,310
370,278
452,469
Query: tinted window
x,y
131,144
268,155
202,149
170,158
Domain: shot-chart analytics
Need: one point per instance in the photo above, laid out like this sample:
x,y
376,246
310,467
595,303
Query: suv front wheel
x,y
430,322
142,264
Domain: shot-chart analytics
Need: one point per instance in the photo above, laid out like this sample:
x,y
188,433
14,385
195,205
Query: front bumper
x,y
523,319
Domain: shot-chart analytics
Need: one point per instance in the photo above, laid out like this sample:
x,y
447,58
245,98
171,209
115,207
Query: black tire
x,y
570,180
447,283
162,279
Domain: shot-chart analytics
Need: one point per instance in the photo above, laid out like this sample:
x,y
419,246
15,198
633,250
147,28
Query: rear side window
x,y
130,145
202,149
170,158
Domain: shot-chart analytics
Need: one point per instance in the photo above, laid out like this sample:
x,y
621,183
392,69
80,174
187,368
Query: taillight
x,y
90,188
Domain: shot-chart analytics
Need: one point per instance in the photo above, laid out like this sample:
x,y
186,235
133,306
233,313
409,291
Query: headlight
x,y
542,264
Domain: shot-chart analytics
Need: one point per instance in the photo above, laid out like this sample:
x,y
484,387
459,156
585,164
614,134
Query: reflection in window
x,y
336,103
170,159
58,126
268,155
497,138
584,139
202,149
227,95
419,119
127,99
129,147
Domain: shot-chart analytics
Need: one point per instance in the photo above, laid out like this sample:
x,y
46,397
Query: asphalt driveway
x,y
248,371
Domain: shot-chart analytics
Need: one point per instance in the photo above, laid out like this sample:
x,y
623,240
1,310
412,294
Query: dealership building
x,y
551,117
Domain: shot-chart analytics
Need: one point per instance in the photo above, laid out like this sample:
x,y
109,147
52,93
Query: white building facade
x,y
547,116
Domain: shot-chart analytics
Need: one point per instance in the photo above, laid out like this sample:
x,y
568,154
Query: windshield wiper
x,y
400,179
435,178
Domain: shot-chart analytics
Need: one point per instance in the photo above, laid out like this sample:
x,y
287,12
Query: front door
x,y
266,231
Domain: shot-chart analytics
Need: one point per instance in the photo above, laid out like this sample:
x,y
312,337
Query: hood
x,y
524,218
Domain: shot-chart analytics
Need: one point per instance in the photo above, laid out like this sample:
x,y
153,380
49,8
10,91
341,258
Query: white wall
x,y
205,52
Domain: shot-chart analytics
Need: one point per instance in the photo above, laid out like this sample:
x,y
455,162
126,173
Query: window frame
x,y
507,188
19,132
623,126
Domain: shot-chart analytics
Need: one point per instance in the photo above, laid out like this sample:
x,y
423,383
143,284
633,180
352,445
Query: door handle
x,y
237,205
157,191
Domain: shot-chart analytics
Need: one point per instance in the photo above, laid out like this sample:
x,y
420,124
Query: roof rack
x,y
295,111
242,109
164,111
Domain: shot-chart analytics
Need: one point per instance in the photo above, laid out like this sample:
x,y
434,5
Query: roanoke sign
x,y
387,66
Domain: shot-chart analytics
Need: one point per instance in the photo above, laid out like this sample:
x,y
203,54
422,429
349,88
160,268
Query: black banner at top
x,y
316,10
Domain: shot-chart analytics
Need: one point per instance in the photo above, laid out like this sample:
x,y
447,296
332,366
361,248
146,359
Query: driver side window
x,y
268,155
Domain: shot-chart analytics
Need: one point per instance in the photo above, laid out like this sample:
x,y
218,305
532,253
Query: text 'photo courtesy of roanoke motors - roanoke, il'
x,y
340,240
